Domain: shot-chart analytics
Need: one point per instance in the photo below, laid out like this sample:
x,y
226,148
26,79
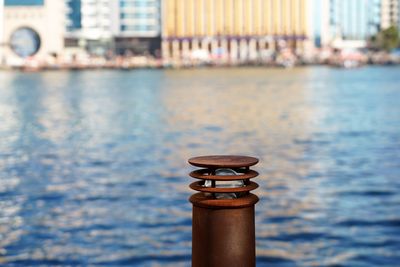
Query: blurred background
x,y
102,103
37,34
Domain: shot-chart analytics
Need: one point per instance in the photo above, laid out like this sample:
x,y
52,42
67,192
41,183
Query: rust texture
x,y
223,232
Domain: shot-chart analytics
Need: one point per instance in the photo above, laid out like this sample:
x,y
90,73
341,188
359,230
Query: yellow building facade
x,y
235,29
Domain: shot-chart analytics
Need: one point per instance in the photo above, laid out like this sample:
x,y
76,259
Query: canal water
x,y
93,164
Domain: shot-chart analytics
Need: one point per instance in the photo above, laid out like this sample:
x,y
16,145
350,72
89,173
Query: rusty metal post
x,y
223,232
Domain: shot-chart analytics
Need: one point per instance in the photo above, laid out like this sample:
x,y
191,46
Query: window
x,y
137,3
138,28
24,2
136,15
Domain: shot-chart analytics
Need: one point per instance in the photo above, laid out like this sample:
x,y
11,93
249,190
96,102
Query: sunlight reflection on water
x,y
93,164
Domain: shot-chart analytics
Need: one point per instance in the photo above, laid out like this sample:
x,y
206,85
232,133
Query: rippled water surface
x,y
93,164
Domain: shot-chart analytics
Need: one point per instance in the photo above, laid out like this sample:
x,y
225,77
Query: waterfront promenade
x,y
285,58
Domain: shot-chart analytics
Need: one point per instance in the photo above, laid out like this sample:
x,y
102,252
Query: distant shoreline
x,y
93,68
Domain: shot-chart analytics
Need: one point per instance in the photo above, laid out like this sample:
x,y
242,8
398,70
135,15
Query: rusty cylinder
x,y
223,229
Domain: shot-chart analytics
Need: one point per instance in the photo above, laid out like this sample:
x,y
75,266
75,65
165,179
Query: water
x,y
93,164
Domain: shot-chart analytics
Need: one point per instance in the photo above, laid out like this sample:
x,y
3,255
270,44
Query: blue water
x,y
93,164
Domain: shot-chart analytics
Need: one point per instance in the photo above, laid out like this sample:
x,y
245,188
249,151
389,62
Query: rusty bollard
x,y
223,230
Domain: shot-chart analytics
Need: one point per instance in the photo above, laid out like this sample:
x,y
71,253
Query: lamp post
x,y
223,228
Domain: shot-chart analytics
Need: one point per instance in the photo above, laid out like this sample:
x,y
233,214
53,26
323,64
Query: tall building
x,y
33,28
389,13
353,19
90,24
74,15
1,31
237,29
139,26
139,18
121,25
321,22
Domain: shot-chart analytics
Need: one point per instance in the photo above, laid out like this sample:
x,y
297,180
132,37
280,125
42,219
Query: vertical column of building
x,y
302,25
219,18
268,22
291,23
234,28
290,26
342,20
115,18
276,20
257,16
258,24
217,45
222,30
238,29
246,30
208,24
213,27
307,11
247,18
362,18
332,18
348,19
185,27
252,18
176,21
200,32
374,21
325,30
165,50
355,18
190,29
295,22
168,28
1,31
180,19
227,27
389,13
397,12
284,18
199,25
180,27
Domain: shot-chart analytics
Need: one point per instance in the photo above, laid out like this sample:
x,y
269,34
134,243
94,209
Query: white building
x,y
139,18
322,22
389,13
100,25
1,30
346,23
33,30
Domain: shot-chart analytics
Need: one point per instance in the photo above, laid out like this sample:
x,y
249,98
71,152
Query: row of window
x,y
138,3
138,15
139,28
30,15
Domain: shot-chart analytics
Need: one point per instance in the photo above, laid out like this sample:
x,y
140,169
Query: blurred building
x,y
234,29
122,26
89,25
321,22
139,26
32,28
1,31
389,15
352,22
